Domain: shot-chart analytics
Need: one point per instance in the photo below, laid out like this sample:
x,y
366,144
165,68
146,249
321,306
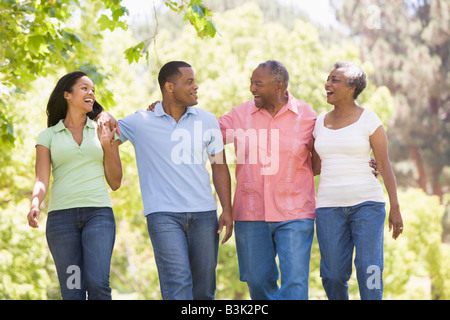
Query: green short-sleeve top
x,y
78,171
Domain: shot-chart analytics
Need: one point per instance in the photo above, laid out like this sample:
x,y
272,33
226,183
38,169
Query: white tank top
x,y
346,178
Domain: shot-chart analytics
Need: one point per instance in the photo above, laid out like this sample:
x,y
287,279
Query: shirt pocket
x,y
286,197
252,197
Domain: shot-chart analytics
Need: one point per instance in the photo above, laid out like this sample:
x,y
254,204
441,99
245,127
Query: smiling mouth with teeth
x,y
329,93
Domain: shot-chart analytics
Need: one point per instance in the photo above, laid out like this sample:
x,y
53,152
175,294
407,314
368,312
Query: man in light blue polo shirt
x,y
172,146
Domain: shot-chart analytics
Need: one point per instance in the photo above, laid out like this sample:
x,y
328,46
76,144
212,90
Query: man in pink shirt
x,y
274,203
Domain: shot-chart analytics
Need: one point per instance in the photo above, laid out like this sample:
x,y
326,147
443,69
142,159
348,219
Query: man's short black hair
x,y
170,71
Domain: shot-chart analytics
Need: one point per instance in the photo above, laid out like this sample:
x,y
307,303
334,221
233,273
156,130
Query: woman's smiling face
x,y
82,94
337,88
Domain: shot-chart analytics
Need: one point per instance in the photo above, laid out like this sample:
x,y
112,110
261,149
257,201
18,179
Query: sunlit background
x,y
402,45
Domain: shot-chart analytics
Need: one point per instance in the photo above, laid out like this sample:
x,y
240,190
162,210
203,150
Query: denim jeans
x,y
185,246
81,241
339,231
259,242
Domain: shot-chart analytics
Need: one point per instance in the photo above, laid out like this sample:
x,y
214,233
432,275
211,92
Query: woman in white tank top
x,y
350,210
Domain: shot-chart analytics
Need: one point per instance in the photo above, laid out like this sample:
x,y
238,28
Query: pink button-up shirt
x,y
273,161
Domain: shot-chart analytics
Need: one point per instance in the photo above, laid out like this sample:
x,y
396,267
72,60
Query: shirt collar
x,y
90,123
292,105
159,110
253,108
60,125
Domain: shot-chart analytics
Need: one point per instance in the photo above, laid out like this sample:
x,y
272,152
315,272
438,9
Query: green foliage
x,y
113,21
25,264
134,53
197,14
36,39
422,217
7,130
223,66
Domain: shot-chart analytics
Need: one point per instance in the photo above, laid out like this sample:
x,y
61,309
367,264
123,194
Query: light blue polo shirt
x,y
171,158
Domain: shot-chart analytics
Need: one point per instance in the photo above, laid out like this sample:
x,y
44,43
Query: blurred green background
x,y
404,46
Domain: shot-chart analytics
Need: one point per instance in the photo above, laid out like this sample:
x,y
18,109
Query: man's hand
x,y
152,106
373,165
226,220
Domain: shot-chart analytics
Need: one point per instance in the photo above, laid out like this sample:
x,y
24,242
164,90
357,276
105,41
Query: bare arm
x,y
111,158
42,169
378,142
316,162
222,183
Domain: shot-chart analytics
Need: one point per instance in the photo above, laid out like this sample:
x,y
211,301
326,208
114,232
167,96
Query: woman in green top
x,y
81,154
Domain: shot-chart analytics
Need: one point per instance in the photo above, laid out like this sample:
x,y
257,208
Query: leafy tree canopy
x,y
38,37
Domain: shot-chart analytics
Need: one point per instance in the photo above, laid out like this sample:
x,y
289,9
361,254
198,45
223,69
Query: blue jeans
x,y
259,242
339,230
81,241
185,247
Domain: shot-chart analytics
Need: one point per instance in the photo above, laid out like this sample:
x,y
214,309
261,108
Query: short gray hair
x,y
278,71
355,76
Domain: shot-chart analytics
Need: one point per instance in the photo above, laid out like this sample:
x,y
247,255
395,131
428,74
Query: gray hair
x,y
278,71
355,76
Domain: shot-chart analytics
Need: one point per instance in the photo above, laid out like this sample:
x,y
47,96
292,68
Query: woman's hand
x,y
105,134
105,117
111,157
43,169
33,217
395,222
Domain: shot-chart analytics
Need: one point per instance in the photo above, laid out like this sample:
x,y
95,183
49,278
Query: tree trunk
x,y
421,180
